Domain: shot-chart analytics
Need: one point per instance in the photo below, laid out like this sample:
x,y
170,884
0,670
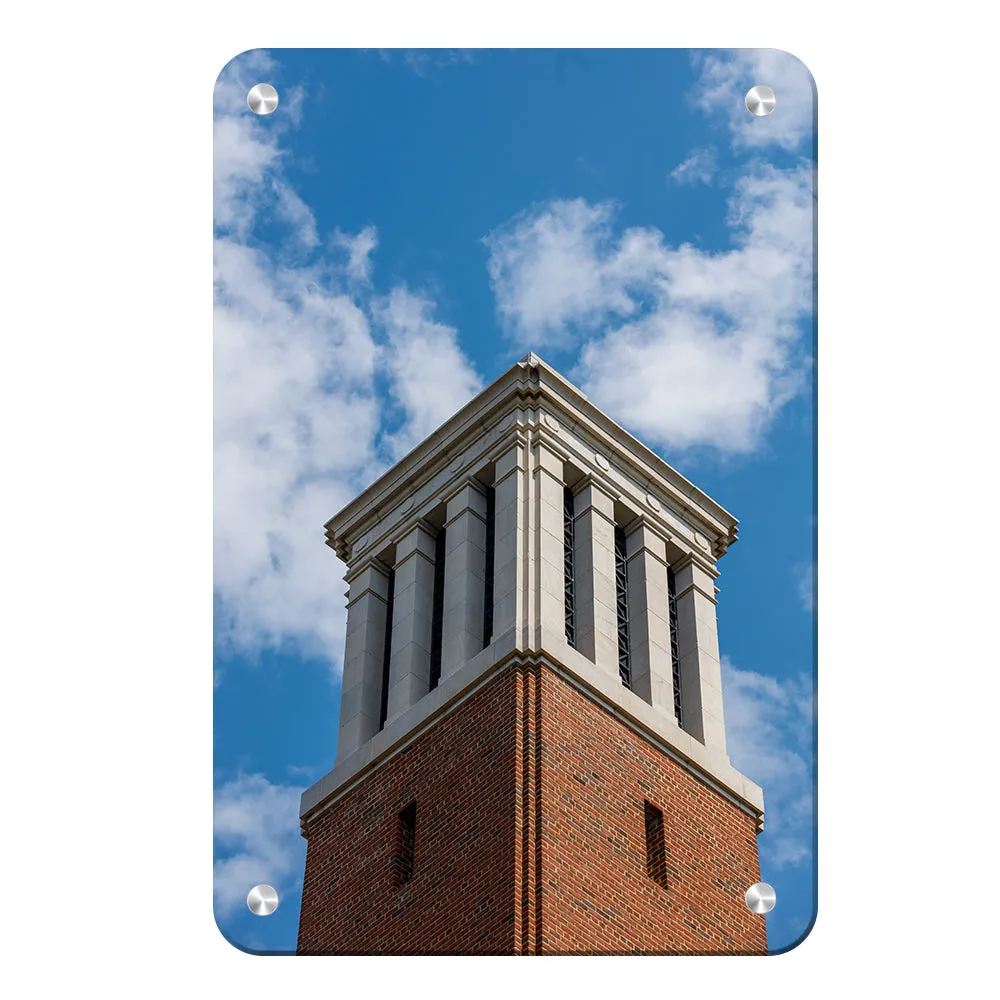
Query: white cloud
x,y
430,376
242,159
707,355
559,266
301,376
723,84
293,210
699,166
359,250
257,829
296,421
769,733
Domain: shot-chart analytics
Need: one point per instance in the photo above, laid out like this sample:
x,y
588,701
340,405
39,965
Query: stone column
x,y
362,685
698,652
508,576
464,579
549,583
649,622
594,565
412,606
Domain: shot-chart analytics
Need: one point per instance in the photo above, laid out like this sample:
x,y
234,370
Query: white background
x,y
105,388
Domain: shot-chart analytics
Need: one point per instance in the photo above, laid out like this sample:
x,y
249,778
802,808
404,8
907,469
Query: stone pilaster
x,y
698,651
509,550
362,685
594,559
464,579
649,622
412,607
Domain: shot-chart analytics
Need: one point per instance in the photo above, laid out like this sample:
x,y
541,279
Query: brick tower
x,y
532,756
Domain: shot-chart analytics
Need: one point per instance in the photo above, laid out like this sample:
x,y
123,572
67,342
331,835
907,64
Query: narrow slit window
x,y
437,609
386,653
675,661
621,586
491,528
405,845
656,847
569,542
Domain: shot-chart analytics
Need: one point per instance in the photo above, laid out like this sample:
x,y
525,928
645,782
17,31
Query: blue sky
x,y
618,212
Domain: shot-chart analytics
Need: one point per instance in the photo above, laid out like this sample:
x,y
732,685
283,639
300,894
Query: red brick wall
x,y
597,775
530,837
460,899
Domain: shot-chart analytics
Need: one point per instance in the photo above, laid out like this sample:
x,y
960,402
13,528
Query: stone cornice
x,y
496,413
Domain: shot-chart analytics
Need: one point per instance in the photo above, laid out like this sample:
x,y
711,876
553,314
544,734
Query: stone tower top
x,y
531,527
567,416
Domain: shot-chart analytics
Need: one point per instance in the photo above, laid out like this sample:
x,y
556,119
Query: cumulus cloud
x,y
257,826
684,346
769,733
305,377
725,78
699,166
558,266
430,377
296,421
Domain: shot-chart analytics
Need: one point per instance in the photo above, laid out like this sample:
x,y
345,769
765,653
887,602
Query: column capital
x,y
469,496
371,565
591,494
644,534
417,539
549,459
512,459
698,559
692,573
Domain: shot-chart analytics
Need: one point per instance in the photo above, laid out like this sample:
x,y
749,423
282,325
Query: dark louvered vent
x,y
674,658
569,575
437,609
621,586
491,528
387,653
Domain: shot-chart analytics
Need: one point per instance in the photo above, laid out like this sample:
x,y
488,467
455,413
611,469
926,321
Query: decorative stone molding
x,y
493,412
711,768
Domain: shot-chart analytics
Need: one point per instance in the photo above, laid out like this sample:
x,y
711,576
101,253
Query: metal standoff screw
x,y
760,100
262,99
262,900
761,897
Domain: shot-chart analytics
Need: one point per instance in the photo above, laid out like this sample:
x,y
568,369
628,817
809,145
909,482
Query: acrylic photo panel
x,y
515,503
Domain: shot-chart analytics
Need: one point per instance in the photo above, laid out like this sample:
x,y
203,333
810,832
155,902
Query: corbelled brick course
x,y
530,839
